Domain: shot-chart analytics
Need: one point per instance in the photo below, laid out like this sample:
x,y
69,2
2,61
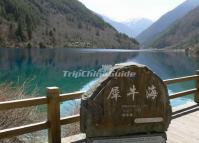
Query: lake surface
x,y
44,67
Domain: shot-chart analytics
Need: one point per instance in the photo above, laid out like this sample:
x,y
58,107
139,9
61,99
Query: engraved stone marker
x,y
130,100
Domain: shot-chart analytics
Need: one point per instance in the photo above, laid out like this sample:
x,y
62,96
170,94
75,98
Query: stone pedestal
x,y
152,138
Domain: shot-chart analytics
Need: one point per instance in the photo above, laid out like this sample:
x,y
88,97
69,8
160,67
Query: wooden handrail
x,y
71,96
53,100
181,79
183,93
7,133
23,103
70,119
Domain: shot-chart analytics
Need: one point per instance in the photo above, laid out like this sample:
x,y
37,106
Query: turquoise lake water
x,y
44,67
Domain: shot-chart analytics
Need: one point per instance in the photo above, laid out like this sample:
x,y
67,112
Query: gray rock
x,y
137,102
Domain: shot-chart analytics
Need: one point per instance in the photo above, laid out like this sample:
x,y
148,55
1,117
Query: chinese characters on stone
x,y
114,94
151,93
132,92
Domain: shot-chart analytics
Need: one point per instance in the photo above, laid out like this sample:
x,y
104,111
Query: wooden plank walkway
x,y
184,127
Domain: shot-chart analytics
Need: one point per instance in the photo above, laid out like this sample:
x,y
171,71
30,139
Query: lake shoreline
x,y
100,49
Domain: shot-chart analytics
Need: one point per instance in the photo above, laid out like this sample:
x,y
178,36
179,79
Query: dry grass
x,y
72,129
24,116
16,117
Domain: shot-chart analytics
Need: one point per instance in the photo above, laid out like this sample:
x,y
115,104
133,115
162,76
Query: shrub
x,y
16,117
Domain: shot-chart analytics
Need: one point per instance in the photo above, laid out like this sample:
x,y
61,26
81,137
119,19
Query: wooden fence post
x,y
196,99
54,131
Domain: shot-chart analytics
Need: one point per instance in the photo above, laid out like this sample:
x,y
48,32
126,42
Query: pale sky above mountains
x,y
125,10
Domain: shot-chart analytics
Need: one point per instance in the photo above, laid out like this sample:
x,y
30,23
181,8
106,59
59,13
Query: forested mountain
x,y
165,21
183,34
56,23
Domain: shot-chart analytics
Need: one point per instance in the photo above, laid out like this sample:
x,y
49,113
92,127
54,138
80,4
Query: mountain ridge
x,y
165,21
184,34
132,27
56,23
120,27
139,25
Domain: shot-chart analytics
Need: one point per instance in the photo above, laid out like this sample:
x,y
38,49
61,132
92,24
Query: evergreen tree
x,y
20,33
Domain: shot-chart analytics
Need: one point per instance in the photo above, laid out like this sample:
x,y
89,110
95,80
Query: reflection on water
x,y
46,66
171,65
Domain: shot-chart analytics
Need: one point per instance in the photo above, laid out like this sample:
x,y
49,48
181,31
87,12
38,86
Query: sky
x,y
126,10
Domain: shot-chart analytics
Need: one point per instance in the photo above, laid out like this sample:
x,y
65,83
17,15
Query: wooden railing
x,y
54,122
53,100
186,92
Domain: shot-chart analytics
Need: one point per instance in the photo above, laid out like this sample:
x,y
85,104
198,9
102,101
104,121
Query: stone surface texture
x,y
134,103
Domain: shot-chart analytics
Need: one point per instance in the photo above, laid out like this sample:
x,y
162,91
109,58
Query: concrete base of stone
x,y
141,138
81,138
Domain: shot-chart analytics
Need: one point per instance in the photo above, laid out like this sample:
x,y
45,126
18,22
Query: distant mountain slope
x,y
182,34
131,28
120,27
166,20
56,23
139,25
